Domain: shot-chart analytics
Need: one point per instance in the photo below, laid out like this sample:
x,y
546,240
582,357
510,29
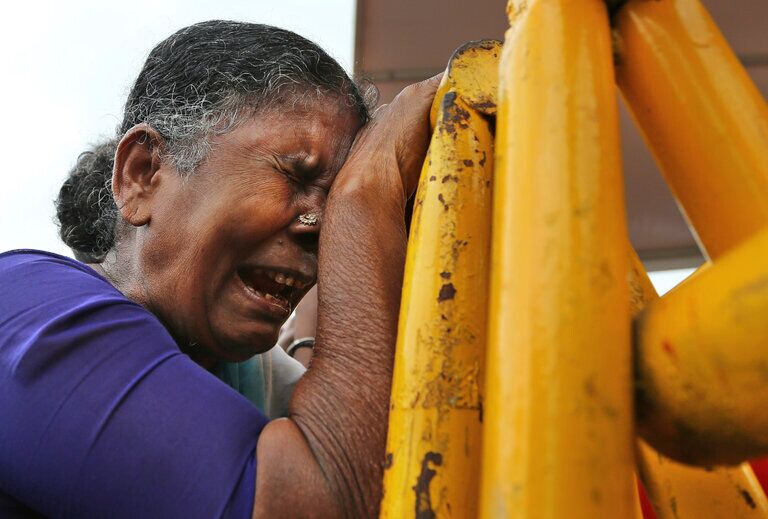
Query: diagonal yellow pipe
x,y
701,115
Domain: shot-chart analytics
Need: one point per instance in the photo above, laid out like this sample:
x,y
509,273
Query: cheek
x,y
262,212
233,228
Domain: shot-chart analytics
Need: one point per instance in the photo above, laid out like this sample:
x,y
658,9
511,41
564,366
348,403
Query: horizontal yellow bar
x,y
702,365
679,491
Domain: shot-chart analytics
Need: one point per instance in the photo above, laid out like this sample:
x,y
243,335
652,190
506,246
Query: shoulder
x,y
51,304
39,288
31,275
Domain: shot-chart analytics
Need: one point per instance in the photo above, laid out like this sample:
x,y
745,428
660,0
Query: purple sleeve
x,y
101,415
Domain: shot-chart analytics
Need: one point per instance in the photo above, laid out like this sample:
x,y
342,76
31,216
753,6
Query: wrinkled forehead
x,y
317,130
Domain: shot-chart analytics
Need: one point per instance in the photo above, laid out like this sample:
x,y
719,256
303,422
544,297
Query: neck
x,y
121,268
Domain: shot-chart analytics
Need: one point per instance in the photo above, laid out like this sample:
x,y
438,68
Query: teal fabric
x,y
247,378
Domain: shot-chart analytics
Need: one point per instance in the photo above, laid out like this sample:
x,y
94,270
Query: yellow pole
x,y
702,364
557,439
680,491
702,116
434,441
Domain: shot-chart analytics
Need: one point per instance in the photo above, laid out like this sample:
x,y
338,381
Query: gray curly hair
x,y
202,81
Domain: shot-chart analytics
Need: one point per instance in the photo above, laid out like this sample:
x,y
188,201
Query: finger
x,y
433,82
379,110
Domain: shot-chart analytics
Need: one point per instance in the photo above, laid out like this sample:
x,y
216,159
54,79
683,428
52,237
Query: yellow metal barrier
x,y
433,447
557,438
558,429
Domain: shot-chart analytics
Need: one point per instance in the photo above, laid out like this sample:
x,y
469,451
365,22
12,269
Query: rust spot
x,y
748,498
453,115
673,506
447,178
445,275
668,349
432,178
423,498
443,317
589,387
388,461
442,201
468,163
484,106
447,291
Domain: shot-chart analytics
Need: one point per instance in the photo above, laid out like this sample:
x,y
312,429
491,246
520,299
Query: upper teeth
x,y
283,279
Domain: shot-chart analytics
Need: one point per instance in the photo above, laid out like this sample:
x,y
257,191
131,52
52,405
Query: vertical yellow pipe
x,y
434,441
680,491
558,429
702,116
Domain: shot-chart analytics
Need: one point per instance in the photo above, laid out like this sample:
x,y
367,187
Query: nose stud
x,y
309,219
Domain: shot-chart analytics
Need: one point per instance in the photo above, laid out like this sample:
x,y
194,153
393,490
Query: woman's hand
x,y
395,140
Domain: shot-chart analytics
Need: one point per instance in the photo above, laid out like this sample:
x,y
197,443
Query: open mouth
x,y
276,287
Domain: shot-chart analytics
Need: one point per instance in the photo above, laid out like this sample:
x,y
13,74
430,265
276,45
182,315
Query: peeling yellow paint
x,y
434,436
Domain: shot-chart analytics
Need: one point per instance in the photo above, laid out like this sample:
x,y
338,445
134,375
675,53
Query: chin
x,y
240,348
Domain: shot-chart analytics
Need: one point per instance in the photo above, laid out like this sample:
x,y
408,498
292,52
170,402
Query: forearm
x,y
341,405
333,444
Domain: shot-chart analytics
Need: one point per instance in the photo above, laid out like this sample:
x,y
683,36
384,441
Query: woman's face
x,y
225,258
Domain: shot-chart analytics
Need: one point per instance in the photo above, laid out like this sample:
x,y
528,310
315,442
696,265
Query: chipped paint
x,y
421,488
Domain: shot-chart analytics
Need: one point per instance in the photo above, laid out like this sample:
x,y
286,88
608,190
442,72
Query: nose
x,y
305,227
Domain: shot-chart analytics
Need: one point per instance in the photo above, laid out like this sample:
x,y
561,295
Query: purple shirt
x,y
101,414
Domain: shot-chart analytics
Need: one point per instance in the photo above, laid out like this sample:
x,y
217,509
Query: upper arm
x,y
290,482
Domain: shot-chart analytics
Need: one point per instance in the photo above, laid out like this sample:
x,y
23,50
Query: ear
x,y
135,178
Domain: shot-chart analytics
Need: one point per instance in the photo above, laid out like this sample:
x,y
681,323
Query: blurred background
x,y
67,67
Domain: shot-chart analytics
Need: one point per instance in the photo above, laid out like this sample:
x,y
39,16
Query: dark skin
x,y
192,250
